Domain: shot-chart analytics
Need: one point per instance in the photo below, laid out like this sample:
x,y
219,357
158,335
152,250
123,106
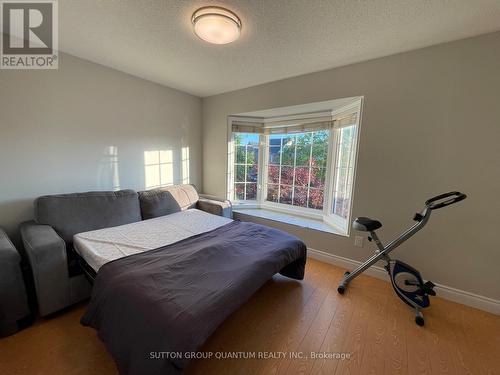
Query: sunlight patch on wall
x,y
158,168
185,165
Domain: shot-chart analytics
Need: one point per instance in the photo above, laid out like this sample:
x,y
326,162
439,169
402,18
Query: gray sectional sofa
x,y
58,277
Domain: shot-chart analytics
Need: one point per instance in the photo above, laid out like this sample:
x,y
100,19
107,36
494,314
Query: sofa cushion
x,y
167,200
70,214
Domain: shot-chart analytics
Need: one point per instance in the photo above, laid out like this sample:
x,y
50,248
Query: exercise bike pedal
x,y
428,288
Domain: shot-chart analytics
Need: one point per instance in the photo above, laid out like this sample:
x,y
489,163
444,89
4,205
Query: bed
x,y
163,285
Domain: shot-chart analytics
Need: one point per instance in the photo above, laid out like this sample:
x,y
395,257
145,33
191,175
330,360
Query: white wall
x,y
431,124
57,129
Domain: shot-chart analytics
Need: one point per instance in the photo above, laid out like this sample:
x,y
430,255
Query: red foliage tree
x,y
303,179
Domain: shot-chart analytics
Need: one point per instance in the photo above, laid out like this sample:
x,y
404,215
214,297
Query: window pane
x,y
341,183
240,154
300,197
316,198
246,139
251,139
320,148
288,155
318,176
288,141
344,172
252,171
285,194
275,140
240,173
339,207
240,191
345,148
274,155
272,193
337,210
303,155
346,204
303,139
301,176
321,137
273,174
238,139
287,175
252,155
319,155
251,191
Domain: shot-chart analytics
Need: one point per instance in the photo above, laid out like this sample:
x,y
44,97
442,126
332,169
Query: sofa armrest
x,y
8,253
46,253
216,206
13,299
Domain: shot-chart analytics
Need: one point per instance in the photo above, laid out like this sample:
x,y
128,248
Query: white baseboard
x,y
460,296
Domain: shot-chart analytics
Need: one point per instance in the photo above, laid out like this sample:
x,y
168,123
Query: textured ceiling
x,y
153,39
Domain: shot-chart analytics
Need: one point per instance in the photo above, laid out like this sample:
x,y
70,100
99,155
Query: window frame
x,y
326,214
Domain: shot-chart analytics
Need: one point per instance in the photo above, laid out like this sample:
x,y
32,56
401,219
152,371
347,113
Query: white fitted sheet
x,y
104,245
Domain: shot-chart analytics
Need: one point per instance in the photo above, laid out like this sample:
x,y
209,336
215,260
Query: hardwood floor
x,y
369,323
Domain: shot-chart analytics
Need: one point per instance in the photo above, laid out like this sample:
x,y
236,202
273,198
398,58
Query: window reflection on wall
x,y
159,168
185,165
108,174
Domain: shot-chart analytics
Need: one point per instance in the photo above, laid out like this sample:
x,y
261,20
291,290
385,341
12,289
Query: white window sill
x,y
287,218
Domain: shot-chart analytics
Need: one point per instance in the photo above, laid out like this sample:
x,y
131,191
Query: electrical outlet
x,y
358,241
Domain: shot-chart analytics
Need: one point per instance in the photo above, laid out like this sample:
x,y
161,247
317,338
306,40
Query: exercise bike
x,y
406,280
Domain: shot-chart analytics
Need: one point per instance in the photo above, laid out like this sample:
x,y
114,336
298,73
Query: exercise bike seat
x,y
365,224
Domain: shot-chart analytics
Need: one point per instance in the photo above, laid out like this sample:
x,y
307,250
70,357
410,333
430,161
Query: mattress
x,y
101,246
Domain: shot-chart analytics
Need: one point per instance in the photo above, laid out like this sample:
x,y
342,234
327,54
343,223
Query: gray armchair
x,y
14,308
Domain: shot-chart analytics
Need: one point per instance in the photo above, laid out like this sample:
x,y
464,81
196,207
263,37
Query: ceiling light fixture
x,y
216,25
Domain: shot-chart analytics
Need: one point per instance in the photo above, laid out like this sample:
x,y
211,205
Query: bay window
x,y
302,165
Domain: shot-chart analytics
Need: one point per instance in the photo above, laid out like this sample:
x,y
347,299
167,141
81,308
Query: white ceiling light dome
x,y
216,25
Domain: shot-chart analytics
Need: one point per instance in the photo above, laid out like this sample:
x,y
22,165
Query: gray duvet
x,y
147,306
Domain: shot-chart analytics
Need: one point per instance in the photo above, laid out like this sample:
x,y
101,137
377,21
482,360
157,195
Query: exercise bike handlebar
x,y
439,201
443,200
